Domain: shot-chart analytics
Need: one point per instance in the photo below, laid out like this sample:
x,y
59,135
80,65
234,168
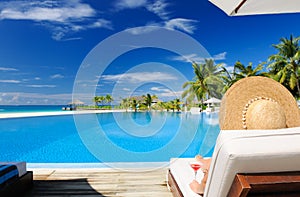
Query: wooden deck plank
x,y
99,182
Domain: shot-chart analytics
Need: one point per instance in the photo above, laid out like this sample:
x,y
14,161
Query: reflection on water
x,y
207,132
141,118
160,135
212,119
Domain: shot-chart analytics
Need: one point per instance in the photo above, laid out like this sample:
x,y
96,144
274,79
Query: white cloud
x,y
166,93
159,8
61,17
41,86
196,58
60,32
186,25
57,76
37,78
68,39
139,77
42,11
101,23
15,98
220,56
126,89
160,89
10,81
170,94
229,68
189,58
8,69
58,35
143,30
130,4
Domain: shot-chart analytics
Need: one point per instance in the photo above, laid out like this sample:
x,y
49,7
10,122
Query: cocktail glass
x,y
195,165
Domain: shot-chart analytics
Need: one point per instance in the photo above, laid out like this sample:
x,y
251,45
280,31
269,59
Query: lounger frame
x,y
173,186
266,184
19,187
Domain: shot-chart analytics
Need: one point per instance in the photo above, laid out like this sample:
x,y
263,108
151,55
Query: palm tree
x,y
176,104
101,99
160,105
285,65
148,100
109,99
125,103
228,80
207,81
96,100
241,71
168,105
134,104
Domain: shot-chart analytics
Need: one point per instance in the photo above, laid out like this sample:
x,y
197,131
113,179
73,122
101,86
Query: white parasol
x,y
254,7
76,102
212,100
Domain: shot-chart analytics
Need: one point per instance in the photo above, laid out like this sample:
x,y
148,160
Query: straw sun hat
x,y
258,103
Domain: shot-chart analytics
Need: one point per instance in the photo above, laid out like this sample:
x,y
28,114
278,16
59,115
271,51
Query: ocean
x,y
29,108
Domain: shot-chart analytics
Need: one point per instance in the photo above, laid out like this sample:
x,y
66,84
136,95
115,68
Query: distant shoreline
x,y
53,113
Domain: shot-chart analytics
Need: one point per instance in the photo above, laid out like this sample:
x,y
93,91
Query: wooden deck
x,y
99,182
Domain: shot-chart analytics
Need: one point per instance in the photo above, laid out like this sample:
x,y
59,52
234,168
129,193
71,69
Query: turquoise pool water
x,y
117,137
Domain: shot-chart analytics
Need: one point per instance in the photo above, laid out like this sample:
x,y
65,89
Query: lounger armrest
x,y
240,187
265,184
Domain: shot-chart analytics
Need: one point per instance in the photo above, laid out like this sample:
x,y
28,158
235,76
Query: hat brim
x,y
241,92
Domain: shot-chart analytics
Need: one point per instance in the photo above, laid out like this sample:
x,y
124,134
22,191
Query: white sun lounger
x,y
245,151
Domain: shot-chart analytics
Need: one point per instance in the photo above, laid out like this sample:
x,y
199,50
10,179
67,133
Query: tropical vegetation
x,y
207,82
101,100
212,80
285,65
149,102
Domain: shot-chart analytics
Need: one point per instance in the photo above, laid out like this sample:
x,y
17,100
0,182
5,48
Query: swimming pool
x,y
116,137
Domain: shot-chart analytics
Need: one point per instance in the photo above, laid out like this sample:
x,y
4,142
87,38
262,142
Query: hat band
x,y
244,121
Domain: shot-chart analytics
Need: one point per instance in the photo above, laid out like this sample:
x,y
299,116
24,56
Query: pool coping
x,y
53,113
127,166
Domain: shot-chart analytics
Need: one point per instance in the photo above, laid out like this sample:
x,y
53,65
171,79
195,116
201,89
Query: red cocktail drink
x,y
196,166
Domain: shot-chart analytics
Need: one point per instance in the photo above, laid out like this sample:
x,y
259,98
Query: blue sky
x,y
44,43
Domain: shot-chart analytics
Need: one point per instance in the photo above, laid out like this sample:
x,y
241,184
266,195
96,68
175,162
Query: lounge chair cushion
x,y
8,174
251,151
21,166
